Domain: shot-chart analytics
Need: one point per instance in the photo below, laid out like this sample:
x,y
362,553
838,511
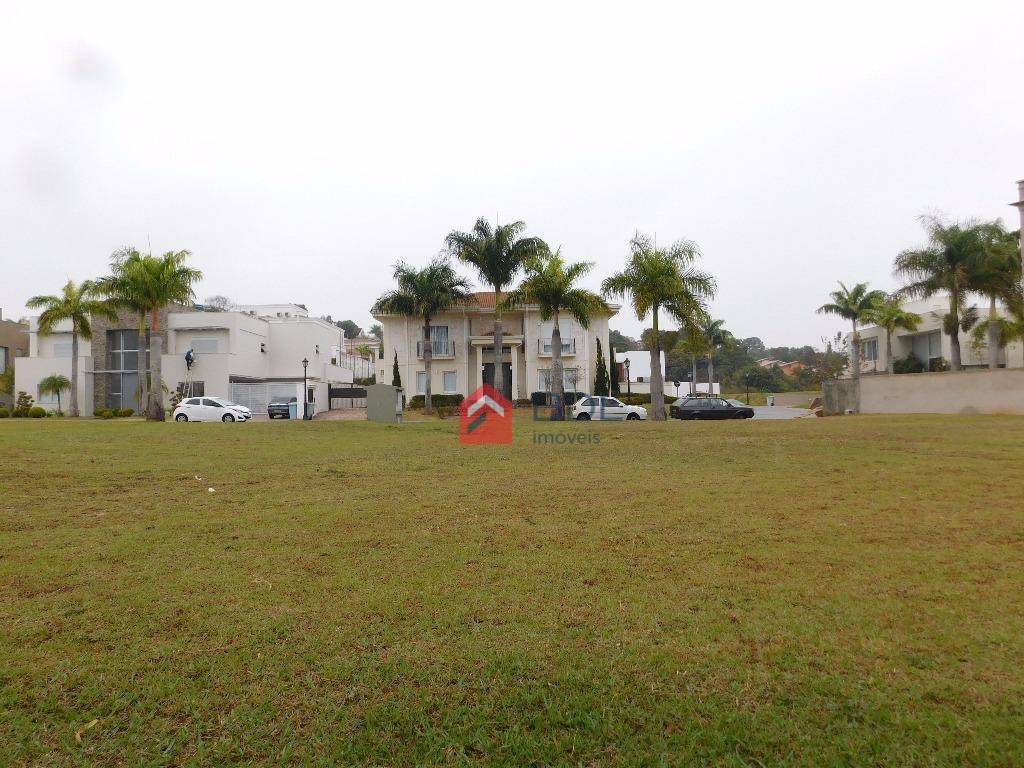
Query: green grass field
x,y
817,592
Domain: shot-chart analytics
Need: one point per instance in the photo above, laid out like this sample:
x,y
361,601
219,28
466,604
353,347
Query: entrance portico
x,y
483,354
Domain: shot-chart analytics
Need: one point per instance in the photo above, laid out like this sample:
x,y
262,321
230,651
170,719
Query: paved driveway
x,y
780,412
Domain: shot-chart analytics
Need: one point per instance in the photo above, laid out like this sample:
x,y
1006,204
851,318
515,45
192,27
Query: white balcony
x,y
438,349
544,347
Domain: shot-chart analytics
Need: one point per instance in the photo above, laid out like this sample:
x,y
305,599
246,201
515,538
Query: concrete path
x,y
780,412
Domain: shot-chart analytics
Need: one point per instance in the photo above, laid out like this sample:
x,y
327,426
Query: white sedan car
x,y
210,409
608,409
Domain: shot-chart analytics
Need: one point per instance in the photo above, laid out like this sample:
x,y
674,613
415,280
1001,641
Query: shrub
x,y
124,412
438,401
20,413
544,398
4,412
640,399
37,412
522,402
24,402
908,364
103,413
938,365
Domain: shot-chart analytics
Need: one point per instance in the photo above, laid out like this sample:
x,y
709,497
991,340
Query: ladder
x,y
188,389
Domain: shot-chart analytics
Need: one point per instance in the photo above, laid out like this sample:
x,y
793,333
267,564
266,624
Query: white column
x,y
514,357
478,377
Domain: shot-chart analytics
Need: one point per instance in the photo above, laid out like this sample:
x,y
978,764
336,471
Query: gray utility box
x,y
384,403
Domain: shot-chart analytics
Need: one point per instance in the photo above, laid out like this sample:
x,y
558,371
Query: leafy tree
x,y
601,383
550,284
77,304
218,303
656,279
23,404
715,338
753,347
54,384
497,254
621,342
949,263
396,375
350,329
377,331
424,294
853,304
890,315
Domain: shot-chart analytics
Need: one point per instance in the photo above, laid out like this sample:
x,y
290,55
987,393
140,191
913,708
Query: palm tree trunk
x,y
73,408
693,374
59,409
855,353
711,374
657,382
954,333
499,373
141,364
557,381
428,360
156,400
888,352
993,335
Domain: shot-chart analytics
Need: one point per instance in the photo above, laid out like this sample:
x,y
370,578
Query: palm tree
x,y
497,255
853,304
890,314
54,384
167,281
656,279
550,285
127,286
997,275
949,263
77,303
715,338
424,294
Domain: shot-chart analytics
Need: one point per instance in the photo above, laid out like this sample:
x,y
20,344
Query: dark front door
x,y
489,376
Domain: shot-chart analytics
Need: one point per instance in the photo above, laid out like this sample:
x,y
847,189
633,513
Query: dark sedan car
x,y
278,407
708,408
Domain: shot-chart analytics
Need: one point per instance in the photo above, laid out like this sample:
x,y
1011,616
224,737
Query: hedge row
x,y
438,401
114,413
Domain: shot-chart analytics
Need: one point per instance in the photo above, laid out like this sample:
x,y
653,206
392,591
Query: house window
x,y
3,359
449,382
204,346
122,351
62,349
421,382
870,350
570,378
198,389
439,339
123,390
47,398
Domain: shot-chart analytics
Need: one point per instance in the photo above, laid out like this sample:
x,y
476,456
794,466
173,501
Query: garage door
x,y
256,396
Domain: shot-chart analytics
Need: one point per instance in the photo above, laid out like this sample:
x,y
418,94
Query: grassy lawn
x,y
819,592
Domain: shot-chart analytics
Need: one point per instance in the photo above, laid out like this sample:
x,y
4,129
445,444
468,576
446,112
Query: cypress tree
x,y
396,377
614,369
601,382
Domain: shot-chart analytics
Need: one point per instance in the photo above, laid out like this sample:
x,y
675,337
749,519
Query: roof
x,y
483,301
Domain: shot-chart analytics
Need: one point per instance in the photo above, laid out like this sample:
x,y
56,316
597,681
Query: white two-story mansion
x,y
463,349
248,354
929,343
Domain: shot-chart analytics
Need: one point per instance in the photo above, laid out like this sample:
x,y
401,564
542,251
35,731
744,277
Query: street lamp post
x,y
305,396
625,364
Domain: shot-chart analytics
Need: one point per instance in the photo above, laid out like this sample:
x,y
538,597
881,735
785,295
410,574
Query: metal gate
x,y
256,396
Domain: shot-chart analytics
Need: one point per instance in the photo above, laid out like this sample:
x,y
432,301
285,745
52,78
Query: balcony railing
x,y
544,347
437,349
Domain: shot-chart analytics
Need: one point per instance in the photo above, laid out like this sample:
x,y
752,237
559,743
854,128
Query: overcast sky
x,y
299,150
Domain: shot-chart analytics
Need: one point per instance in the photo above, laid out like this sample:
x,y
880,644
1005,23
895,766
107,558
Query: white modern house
x,y
929,343
463,349
249,354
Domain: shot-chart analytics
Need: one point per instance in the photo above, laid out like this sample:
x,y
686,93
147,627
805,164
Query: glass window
x,y
449,381
870,349
62,349
192,401
123,350
46,398
421,382
211,403
3,359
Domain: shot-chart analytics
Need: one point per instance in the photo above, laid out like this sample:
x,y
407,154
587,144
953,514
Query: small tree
x,y
22,404
396,375
613,369
601,380
54,384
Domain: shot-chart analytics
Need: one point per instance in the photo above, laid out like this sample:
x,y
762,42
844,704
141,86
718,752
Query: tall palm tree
x,y
497,254
997,275
656,279
424,294
550,284
54,384
853,304
77,303
949,264
890,314
127,286
167,281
